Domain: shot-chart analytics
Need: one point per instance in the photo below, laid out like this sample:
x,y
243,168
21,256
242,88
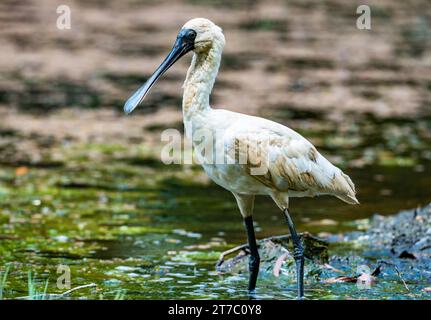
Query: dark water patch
x,y
142,27
396,120
369,94
36,156
292,112
44,164
239,61
161,127
236,5
380,65
383,81
25,14
114,5
155,101
133,80
414,39
382,12
6,132
303,85
265,25
60,255
225,84
47,95
300,63
42,141
70,44
100,186
341,10
24,41
144,162
95,3
11,157
117,103
138,49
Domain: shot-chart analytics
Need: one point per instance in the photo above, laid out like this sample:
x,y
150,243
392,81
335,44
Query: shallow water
x,y
122,220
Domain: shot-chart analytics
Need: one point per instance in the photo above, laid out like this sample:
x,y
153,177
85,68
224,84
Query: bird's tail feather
x,y
348,198
349,192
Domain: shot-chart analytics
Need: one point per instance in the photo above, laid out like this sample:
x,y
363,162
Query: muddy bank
x,y
406,235
302,62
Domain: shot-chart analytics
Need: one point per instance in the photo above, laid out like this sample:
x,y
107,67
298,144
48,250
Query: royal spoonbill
x,y
292,165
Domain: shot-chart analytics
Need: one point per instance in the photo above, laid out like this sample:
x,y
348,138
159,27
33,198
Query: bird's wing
x,y
283,160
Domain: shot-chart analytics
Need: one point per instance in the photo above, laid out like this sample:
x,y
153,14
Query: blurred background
x,y
82,184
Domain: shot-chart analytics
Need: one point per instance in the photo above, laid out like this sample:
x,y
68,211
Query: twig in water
x,y
90,285
398,273
51,296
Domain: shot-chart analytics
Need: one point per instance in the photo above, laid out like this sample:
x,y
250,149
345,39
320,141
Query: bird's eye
x,y
191,35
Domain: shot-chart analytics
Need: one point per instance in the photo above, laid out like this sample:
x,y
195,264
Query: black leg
x,y
298,254
254,253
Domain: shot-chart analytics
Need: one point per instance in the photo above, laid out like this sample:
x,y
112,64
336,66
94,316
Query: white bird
x,y
276,161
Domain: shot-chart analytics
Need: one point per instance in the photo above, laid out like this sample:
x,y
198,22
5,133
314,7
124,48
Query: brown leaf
x,y
341,279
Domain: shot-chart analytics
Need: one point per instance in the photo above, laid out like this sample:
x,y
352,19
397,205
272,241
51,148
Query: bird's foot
x,y
298,255
298,252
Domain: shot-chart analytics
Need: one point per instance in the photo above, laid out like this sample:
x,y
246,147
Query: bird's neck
x,y
200,80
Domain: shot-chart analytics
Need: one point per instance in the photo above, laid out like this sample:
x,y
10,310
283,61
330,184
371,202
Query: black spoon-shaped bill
x,y
183,44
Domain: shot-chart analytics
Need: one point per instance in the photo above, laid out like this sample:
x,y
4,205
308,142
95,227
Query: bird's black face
x,y
184,43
